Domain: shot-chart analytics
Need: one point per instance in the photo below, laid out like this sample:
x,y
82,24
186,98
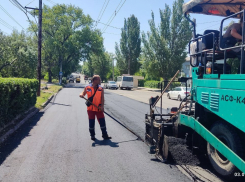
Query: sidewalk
x,y
148,89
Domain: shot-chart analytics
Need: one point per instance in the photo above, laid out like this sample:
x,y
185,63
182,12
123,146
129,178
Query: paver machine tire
x,y
229,136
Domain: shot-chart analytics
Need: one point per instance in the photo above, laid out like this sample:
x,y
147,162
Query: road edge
x,y
32,111
16,127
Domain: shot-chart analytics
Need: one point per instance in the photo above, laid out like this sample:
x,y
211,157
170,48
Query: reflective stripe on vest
x,y
97,97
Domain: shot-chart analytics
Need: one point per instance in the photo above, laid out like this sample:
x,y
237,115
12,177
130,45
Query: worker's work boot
x,y
93,138
106,137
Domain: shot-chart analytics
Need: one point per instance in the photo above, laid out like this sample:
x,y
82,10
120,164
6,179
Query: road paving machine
x,y
214,118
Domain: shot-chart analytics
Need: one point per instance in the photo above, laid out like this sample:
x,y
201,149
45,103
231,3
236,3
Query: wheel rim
x,y
222,159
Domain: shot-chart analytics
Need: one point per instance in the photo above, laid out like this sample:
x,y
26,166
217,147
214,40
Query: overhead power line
x,y
10,15
6,24
51,2
114,17
100,13
30,2
109,25
104,10
111,33
14,3
113,13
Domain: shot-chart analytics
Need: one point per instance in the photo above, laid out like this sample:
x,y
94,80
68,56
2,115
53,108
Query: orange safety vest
x,y
97,97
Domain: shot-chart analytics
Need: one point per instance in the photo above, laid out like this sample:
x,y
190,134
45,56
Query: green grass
x,y
42,99
45,95
54,88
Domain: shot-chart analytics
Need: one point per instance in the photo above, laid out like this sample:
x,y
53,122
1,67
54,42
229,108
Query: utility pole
x,y
129,66
112,69
39,46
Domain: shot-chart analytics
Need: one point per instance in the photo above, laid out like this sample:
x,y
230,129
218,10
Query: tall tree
x,y
102,64
164,46
130,46
68,38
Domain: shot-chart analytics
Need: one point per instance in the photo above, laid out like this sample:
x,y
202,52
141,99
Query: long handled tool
x,y
165,88
115,119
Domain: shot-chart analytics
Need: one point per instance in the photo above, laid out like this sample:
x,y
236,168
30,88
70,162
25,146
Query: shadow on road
x,y
8,146
60,104
105,142
110,143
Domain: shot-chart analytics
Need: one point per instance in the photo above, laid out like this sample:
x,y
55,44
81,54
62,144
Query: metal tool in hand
x,y
114,119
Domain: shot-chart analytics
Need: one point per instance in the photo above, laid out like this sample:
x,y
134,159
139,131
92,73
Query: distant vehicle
x,y
125,82
85,77
71,79
178,93
78,79
111,85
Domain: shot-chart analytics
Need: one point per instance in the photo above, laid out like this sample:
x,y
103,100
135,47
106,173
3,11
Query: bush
x,y
141,83
46,76
55,81
16,96
64,80
152,84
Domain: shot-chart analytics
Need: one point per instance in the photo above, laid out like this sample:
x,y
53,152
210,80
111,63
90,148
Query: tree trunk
x,y
49,75
165,83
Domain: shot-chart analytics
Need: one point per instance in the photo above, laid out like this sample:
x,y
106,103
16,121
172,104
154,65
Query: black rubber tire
x,y
179,98
229,136
168,96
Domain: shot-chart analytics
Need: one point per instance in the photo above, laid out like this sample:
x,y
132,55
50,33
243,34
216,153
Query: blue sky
x,y
140,8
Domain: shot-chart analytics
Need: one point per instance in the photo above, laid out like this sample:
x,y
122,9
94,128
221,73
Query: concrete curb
x,y
12,130
47,102
50,98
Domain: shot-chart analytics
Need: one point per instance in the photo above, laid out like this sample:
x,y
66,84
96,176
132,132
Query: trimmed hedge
x,y
152,84
141,83
16,96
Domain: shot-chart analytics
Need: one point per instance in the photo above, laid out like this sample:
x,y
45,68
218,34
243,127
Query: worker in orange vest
x,y
97,92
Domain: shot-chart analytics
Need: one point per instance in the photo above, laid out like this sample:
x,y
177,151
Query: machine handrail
x,y
203,51
238,46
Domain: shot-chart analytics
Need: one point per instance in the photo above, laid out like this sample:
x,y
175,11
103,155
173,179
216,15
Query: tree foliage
x,y
128,52
18,55
165,45
68,38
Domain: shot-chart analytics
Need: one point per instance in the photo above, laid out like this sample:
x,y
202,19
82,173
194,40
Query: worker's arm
x,y
102,101
82,94
235,34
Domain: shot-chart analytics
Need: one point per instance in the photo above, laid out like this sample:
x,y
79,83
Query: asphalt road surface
x,y
55,145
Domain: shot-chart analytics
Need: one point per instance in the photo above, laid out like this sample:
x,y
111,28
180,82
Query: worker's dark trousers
x,y
101,119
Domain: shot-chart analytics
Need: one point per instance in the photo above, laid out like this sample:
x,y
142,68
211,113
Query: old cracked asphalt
x,y
55,145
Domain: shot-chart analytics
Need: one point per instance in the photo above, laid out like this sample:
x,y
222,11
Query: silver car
x,y
111,85
178,93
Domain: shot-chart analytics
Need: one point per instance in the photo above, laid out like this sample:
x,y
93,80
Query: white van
x,y
125,82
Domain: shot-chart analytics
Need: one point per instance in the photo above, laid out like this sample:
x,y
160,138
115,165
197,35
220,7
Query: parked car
x,y
178,93
78,79
111,85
